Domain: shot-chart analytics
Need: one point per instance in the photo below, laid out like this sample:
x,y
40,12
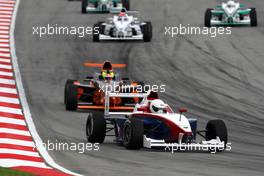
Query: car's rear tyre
x,y
253,17
147,31
133,134
71,98
84,5
96,128
68,82
216,128
126,4
97,30
207,18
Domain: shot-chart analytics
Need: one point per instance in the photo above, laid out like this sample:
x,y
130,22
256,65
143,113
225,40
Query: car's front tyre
x,y
147,31
207,18
216,128
253,17
71,97
84,6
68,82
133,134
96,128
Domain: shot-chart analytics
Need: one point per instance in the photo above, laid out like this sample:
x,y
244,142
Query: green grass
x,y
11,172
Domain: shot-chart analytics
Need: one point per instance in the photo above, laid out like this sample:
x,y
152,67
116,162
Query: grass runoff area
x,y
11,172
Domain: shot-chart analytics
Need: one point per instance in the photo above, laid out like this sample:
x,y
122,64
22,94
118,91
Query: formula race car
x,y
230,13
90,92
124,26
105,6
154,124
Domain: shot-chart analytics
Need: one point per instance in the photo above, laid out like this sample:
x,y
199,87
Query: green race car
x,y
104,6
230,13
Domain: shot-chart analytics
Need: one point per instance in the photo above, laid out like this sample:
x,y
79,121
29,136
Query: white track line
x,y
17,142
6,12
6,73
7,81
18,152
6,8
5,60
5,20
4,32
5,66
4,44
9,100
6,5
13,131
8,90
4,55
6,24
4,49
4,27
12,121
4,40
4,36
11,110
17,163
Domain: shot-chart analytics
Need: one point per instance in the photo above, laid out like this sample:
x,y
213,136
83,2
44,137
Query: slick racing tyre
x,y
126,4
207,18
133,134
96,128
216,128
253,17
68,82
147,31
97,30
71,100
84,6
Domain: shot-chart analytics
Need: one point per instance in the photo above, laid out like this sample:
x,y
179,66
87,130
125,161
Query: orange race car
x,y
89,93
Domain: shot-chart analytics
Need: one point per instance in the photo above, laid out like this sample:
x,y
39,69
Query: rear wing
x,y
125,11
90,64
122,95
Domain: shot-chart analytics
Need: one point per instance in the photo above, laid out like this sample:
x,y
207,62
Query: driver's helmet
x,y
108,74
122,13
230,2
157,106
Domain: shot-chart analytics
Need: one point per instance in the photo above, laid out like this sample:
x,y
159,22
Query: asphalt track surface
x,y
219,77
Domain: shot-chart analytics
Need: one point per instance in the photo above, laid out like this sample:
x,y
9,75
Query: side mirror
x,y
182,110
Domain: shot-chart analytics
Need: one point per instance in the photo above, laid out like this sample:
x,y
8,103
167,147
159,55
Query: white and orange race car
x,y
89,93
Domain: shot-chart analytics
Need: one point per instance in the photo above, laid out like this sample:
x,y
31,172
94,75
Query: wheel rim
x,y
127,134
89,127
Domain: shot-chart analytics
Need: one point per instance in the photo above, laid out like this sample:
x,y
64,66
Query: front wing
x,y
220,23
107,37
100,10
211,145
